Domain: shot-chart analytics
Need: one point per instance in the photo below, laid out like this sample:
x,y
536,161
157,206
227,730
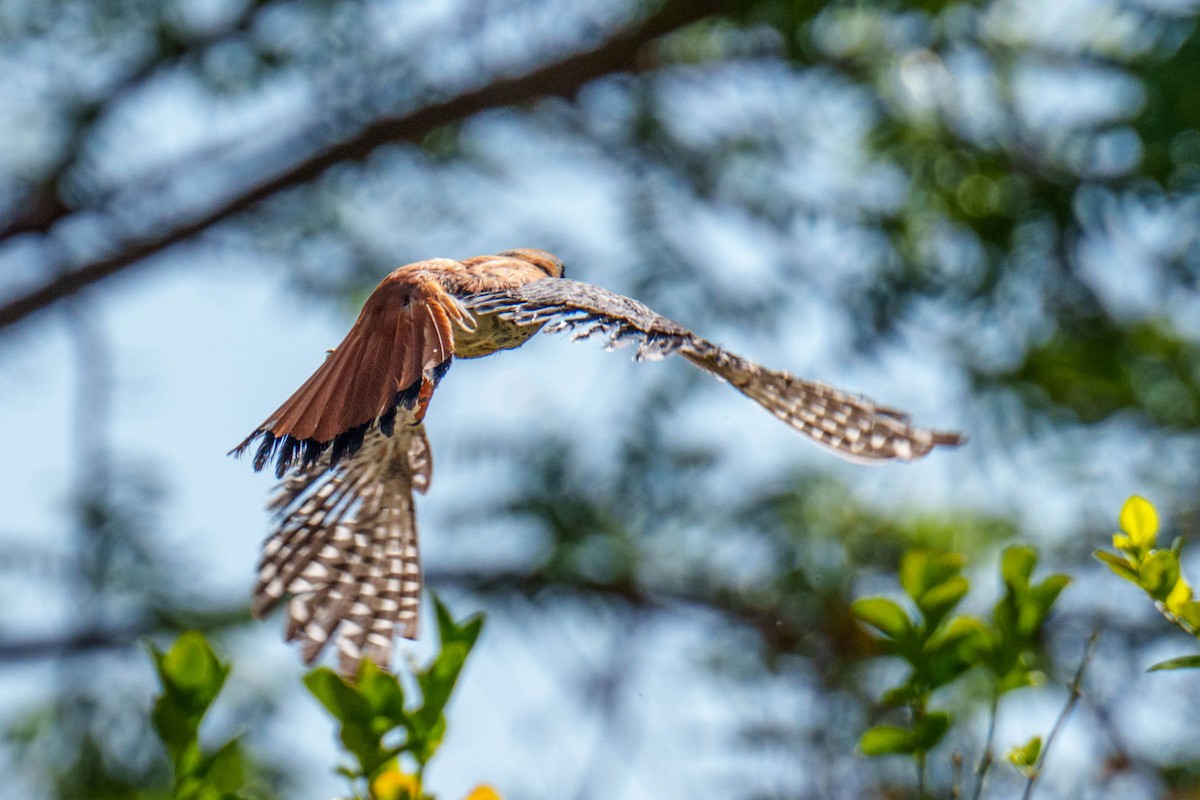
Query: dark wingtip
x,y
407,396
238,451
265,450
440,371
287,451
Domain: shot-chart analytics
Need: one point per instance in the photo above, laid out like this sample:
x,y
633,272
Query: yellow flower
x,y
483,792
1139,520
393,784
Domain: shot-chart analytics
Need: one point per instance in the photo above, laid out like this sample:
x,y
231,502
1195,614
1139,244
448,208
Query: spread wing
x,y
854,427
398,349
351,445
345,549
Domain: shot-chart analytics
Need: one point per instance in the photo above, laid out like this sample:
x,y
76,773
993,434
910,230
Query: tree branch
x,y
92,639
561,79
46,206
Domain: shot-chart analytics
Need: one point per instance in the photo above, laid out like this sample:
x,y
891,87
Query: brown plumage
x,y
351,444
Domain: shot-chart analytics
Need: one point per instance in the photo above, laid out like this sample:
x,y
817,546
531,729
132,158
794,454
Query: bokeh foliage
x,y
1008,188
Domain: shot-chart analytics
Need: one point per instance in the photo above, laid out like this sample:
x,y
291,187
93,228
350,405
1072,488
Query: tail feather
x,y
345,549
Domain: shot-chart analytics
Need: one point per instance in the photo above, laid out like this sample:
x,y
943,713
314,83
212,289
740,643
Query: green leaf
x,y
358,732
1118,564
929,730
225,769
921,570
190,671
1046,593
365,743
886,740
191,676
960,645
940,600
1016,565
424,746
1139,519
902,695
1025,757
967,633
1159,573
339,698
1018,676
383,693
884,615
426,725
176,729
466,632
1182,662
437,683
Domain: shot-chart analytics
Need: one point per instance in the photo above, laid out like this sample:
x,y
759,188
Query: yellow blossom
x,y
1139,520
393,784
483,792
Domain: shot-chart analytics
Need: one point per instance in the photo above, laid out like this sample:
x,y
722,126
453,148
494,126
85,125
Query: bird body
x,y
350,448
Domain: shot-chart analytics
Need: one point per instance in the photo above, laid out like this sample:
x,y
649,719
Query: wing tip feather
x,y
287,450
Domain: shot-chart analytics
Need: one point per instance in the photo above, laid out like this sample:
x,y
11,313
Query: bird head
x,y
546,262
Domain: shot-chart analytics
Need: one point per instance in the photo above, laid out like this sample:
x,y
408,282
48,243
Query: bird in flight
x,y
350,448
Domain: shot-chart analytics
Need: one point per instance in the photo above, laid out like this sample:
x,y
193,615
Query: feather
x,y
853,427
400,346
345,549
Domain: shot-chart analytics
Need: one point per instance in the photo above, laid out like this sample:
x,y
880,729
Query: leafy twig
x,y
986,758
1075,686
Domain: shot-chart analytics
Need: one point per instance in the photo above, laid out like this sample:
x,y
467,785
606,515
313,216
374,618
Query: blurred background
x,y
986,213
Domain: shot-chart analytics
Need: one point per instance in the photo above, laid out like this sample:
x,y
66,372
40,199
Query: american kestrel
x,y
350,447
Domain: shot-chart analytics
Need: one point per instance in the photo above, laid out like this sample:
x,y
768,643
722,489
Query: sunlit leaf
x,y
190,671
1025,757
1159,573
886,740
1118,564
884,615
921,570
1180,598
941,599
1046,593
191,676
382,691
1016,565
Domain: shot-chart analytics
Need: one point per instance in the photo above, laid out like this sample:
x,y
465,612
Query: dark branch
x,y
775,626
561,79
75,645
46,206
81,643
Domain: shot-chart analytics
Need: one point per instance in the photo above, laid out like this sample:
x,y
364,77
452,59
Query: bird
x,y
349,446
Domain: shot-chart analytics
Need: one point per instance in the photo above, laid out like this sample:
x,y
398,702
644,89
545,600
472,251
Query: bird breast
x,y
491,334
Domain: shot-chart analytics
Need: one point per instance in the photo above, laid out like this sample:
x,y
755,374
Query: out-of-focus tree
x,y
1009,188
